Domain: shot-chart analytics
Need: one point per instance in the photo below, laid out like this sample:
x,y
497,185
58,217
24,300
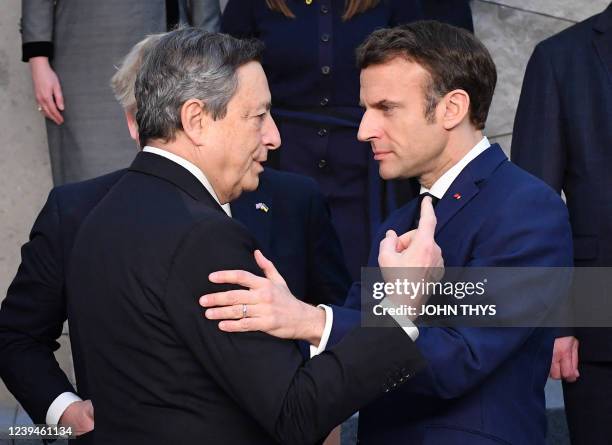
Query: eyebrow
x,y
266,105
381,104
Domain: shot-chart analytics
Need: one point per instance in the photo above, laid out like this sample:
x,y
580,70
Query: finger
x,y
51,111
231,312
243,325
567,371
59,97
229,298
555,371
404,241
268,268
89,409
427,221
575,360
240,277
45,111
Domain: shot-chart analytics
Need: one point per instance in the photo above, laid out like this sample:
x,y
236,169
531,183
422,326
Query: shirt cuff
x,y
59,405
404,321
329,321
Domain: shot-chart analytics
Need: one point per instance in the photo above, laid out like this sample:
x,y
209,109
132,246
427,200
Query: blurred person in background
x,y
71,47
562,134
310,64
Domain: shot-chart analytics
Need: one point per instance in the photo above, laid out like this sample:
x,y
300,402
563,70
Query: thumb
x,y
59,98
268,268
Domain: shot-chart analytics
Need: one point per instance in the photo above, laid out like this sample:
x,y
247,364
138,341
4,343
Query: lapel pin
x,y
457,196
262,206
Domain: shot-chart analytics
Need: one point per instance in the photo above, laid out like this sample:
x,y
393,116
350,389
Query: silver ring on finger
x,y
39,108
244,311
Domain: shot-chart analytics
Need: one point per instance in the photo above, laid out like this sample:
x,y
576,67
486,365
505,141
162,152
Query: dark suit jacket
x,y
482,385
562,134
157,370
305,249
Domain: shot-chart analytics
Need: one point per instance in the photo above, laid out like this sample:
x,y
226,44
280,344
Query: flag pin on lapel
x,y
457,196
262,206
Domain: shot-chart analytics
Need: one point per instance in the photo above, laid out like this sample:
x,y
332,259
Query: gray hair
x,y
124,79
188,64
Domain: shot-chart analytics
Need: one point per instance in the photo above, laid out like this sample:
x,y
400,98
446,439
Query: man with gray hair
x,y
296,221
157,370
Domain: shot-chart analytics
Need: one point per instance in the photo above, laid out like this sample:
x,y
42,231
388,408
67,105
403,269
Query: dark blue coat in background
x,y
311,69
295,233
482,386
563,134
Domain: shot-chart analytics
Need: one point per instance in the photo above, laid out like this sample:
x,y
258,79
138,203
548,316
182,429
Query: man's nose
x,y
367,128
271,137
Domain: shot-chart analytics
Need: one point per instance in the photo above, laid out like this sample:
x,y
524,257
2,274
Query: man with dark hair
x,y
426,88
156,369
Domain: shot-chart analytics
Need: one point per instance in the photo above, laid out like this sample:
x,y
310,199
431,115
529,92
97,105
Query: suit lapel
x,y
458,195
249,209
466,186
602,40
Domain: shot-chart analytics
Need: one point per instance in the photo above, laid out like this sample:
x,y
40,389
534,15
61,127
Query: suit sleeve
x,y
37,17
295,402
541,240
538,140
328,278
205,14
32,317
238,19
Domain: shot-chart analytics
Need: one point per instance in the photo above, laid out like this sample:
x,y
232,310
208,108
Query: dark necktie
x,y
417,215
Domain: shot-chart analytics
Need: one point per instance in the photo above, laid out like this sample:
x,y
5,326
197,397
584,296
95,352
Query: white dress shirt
x,y
438,189
61,402
195,171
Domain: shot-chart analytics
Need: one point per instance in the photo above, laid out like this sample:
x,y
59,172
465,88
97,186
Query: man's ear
x,y
132,125
195,120
456,108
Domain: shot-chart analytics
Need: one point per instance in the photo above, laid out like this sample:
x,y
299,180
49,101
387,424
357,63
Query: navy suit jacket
x,y
304,248
482,385
562,134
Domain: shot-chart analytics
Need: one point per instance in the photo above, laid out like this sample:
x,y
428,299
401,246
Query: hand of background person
x,y
270,306
47,89
79,416
565,359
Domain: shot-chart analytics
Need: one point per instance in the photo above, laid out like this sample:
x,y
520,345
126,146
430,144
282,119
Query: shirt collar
x,y
195,171
439,188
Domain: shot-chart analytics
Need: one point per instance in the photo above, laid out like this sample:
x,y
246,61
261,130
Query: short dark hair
x,y
452,56
188,63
